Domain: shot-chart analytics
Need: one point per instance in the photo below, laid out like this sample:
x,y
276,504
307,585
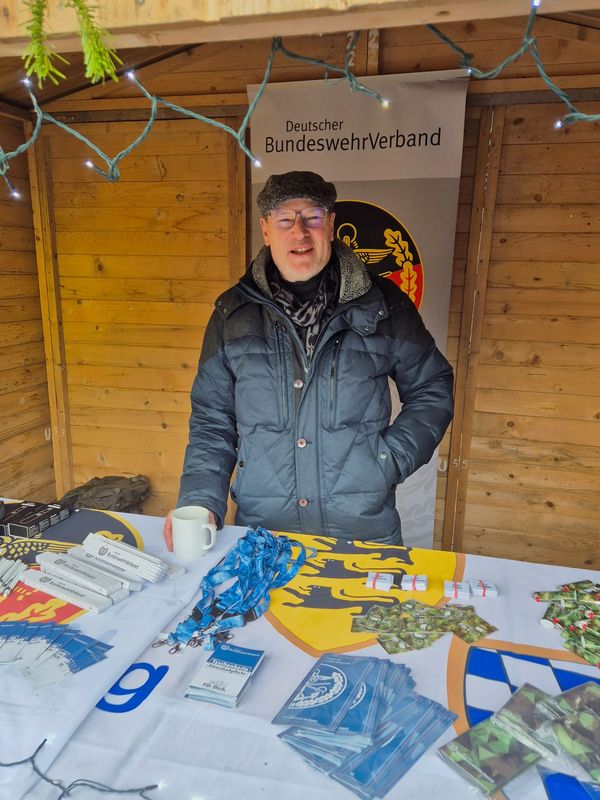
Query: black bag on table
x,y
112,493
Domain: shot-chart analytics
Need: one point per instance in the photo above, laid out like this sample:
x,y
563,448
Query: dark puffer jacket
x,y
314,449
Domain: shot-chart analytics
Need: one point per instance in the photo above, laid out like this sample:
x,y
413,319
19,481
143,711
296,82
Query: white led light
x,y
536,3
26,82
385,102
89,164
15,194
469,71
558,124
257,163
130,74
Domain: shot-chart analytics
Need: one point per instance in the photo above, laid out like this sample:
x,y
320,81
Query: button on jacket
x,y
312,440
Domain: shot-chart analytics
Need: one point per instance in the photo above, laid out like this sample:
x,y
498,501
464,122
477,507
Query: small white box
x,y
457,590
379,580
483,588
414,583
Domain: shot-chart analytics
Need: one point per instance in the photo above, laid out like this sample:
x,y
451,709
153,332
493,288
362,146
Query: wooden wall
x,y
25,449
523,468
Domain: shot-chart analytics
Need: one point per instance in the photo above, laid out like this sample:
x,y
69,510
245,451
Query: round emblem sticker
x,y
382,243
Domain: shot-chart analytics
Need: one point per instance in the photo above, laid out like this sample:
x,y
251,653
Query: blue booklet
x,y
225,676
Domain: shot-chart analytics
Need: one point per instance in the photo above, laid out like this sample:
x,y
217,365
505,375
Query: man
x,y
292,384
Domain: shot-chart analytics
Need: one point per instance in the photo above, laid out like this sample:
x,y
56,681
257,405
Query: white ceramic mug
x,y
193,534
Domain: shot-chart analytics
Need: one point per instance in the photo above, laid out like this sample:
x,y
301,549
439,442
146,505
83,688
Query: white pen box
x,y
78,572
379,580
483,588
414,583
457,590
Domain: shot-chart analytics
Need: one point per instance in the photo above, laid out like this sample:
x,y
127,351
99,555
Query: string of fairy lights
x,y
112,173
67,790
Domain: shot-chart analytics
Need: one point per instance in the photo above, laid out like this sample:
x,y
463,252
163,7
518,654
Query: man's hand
x,y
168,528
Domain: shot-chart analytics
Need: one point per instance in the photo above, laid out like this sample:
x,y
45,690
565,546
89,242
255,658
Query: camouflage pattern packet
x,y
394,643
579,736
584,696
489,756
473,628
587,655
527,716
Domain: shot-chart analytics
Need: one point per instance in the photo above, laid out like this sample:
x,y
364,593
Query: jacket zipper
x,y
282,373
334,358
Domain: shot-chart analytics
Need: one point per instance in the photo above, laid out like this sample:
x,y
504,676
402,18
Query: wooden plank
x,y
17,285
486,178
131,460
541,247
20,356
550,159
527,124
126,336
543,549
548,218
116,355
51,314
202,195
144,168
533,327
116,398
17,262
16,471
14,213
23,378
144,420
22,421
549,189
16,238
187,291
15,333
572,302
16,309
109,311
160,503
177,137
86,265
151,244
541,354
134,440
170,380
12,403
538,404
25,442
239,200
528,509
534,476
555,380
157,219
518,437
549,274
37,486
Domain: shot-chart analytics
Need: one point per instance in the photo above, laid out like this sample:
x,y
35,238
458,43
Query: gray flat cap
x,y
292,185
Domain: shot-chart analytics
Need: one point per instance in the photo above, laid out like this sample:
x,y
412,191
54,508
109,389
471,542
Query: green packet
x,y
584,696
527,716
579,735
489,756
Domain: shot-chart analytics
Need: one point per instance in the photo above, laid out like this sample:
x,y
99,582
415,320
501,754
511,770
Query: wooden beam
x,y
487,168
14,112
140,24
56,366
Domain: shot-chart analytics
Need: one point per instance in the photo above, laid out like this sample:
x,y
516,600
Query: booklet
x,y
226,674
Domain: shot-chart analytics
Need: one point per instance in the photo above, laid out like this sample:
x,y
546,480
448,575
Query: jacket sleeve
x,y
425,381
211,452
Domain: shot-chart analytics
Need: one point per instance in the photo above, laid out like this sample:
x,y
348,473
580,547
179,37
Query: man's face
x,y
299,252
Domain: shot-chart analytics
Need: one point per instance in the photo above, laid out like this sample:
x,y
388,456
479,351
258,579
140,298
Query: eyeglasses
x,y
285,218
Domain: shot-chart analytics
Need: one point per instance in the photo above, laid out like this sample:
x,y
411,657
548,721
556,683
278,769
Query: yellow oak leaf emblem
x,y
400,248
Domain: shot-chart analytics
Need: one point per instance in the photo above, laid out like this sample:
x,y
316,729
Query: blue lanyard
x,y
260,562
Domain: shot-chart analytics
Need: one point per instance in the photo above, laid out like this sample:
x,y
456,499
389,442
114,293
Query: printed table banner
x,y
397,169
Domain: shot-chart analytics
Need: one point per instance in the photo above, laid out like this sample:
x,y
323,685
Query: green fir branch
x,y
40,58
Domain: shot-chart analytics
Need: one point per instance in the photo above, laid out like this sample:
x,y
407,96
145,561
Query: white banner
x,y
397,170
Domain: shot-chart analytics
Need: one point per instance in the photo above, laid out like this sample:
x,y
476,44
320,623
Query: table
x,y
144,731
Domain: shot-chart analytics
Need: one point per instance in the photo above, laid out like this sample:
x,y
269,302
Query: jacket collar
x,y
354,278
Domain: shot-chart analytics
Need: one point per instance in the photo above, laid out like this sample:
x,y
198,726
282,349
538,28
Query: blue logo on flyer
x,y
324,685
